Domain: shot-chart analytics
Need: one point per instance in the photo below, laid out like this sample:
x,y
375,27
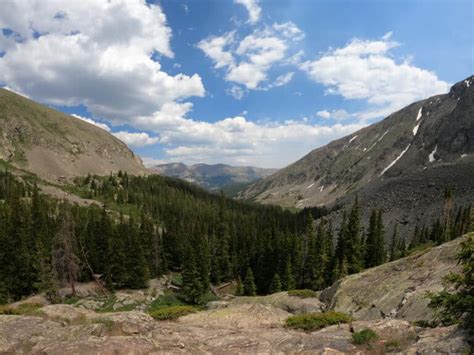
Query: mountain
x,y
213,177
54,145
402,163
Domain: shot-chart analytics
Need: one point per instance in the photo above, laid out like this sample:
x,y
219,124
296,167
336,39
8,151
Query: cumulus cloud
x,y
236,140
140,139
248,61
253,9
95,53
337,115
236,91
91,121
366,70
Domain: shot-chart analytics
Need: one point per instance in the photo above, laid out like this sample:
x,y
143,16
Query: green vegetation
x,y
392,345
172,313
305,293
108,323
365,336
458,305
152,225
315,321
169,299
24,308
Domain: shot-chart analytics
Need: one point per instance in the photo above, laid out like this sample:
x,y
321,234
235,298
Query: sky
x,y
241,82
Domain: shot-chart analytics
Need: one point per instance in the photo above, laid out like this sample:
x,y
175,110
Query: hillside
x,y
54,145
388,299
213,177
402,163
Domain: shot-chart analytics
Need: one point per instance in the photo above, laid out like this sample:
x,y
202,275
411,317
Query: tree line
x,y
151,225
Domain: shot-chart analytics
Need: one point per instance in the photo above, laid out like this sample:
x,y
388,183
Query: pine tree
x,y
370,241
65,261
192,289
288,282
394,244
47,280
276,284
353,240
249,284
138,273
374,245
239,288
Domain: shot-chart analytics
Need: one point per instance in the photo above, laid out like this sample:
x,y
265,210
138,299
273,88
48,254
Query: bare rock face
x,y
396,289
285,302
246,328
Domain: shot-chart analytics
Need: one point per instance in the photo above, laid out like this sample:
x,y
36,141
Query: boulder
x,y
396,289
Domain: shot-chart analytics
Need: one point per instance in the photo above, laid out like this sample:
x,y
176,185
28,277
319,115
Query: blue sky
x,y
243,82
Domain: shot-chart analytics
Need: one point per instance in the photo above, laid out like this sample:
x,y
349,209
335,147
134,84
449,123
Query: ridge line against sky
x,y
241,82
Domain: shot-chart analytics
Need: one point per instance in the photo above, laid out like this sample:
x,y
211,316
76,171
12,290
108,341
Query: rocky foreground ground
x,y
387,299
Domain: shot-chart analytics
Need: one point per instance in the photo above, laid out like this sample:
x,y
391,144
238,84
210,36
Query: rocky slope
x,y
386,299
397,289
54,145
406,159
213,177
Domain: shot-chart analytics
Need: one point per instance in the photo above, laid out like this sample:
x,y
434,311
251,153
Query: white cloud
x,y
94,53
253,9
337,115
236,140
91,121
366,70
215,48
150,162
284,79
248,61
289,30
140,139
236,91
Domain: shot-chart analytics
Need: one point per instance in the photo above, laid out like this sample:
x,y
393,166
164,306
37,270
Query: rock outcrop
x,y
396,289
237,329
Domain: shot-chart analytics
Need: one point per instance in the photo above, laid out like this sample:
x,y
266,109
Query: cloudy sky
x,y
244,82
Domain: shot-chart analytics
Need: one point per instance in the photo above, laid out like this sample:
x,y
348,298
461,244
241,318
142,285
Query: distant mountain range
x,y
54,145
402,163
214,177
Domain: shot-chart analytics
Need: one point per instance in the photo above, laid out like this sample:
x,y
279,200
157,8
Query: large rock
x,y
396,289
247,328
285,302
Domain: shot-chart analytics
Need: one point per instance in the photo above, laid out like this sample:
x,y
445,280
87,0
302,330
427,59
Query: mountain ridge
x,y
55,145
213,176
401,164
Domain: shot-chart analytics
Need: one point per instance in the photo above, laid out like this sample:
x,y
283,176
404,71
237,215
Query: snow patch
x,y
468,83
321,188
310,186
377,141
396,159
431,157
415,130
353,138
463,155
419,113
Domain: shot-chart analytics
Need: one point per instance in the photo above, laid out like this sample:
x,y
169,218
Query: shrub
x,y
24,308
171,313
392,345
314,321
365,336
303,293
458,305
169,299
